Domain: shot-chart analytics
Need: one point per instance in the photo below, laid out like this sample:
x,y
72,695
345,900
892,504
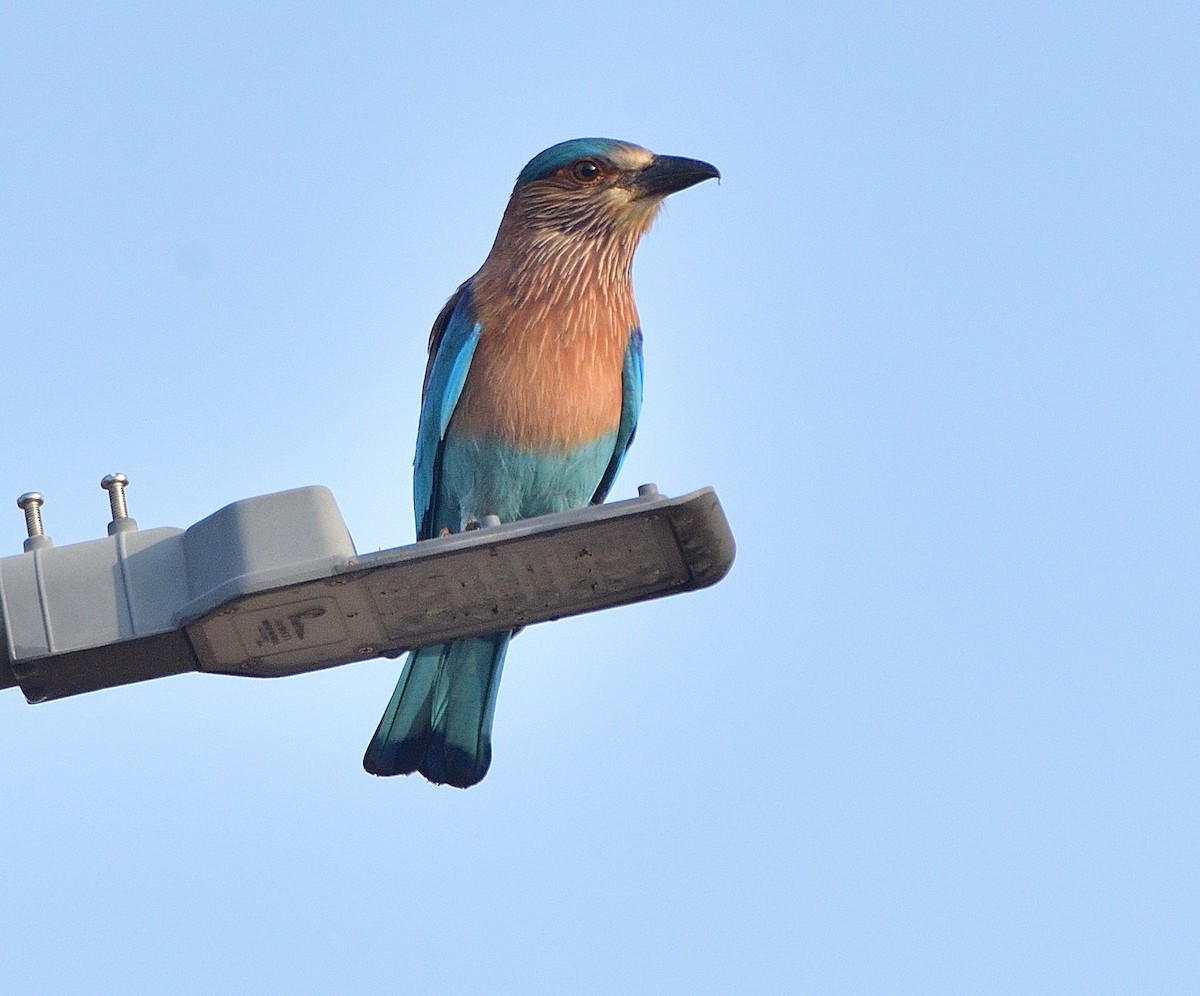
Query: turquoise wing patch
x,y
631,409
452,345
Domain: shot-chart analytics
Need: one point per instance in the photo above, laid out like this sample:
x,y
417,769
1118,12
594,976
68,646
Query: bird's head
x,y
592,187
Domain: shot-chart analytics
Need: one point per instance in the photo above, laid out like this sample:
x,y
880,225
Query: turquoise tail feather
x,y
439,721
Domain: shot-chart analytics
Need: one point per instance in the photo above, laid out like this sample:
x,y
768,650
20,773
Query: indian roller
x,y
531,397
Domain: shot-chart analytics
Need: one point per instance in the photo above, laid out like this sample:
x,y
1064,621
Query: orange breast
x,y
547,374
551,381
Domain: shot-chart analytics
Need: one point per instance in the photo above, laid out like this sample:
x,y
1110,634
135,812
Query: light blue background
x,y
934,341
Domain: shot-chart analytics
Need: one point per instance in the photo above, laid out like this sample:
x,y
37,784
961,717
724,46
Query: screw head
x,y
30,499
110,481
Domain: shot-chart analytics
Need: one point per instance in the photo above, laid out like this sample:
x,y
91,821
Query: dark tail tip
x,y
444,765
440,764
398,757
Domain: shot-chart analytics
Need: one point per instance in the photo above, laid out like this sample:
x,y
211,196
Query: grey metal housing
x,y
272,586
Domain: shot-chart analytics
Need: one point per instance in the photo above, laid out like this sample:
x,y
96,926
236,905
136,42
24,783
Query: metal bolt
x,y
31,504
115,485
648,491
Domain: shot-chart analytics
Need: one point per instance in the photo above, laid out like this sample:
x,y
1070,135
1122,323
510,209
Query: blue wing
x,y
631,408
451,346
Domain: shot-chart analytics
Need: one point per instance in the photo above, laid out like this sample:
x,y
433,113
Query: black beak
x,y
668,174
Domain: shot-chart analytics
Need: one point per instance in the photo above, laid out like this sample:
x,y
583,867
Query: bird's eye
x,y
586,170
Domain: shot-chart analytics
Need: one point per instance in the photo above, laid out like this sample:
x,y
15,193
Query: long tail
x,y
439,721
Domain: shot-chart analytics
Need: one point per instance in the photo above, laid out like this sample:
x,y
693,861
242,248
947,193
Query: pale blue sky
x,y
934,341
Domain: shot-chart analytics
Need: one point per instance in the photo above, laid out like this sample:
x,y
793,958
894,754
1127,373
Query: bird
x,y
531,397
